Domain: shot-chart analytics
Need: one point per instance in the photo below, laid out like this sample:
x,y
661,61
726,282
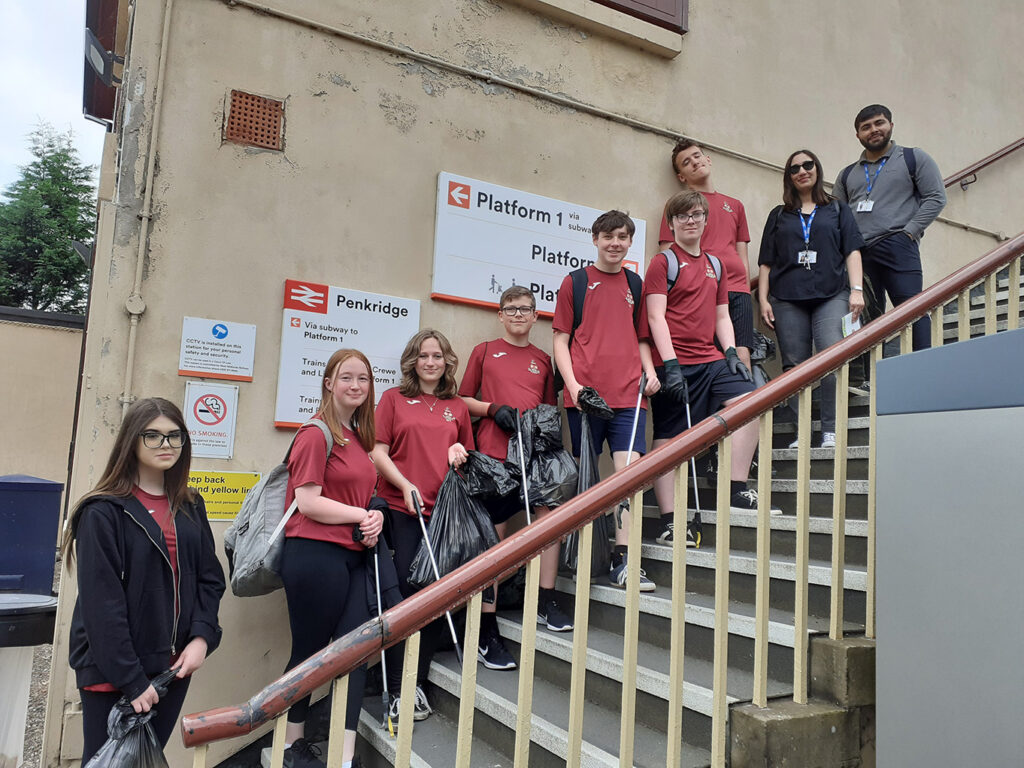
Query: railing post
x,y
990,304
631,630
803,521
907,340
835,629
277,745
527,654
578,676
720,702
677,629
762,589
869,618
467,697
938,332
1013,300
963,306
199,756
336,733
403,750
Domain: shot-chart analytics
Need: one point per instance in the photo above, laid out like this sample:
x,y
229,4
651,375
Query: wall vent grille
x,y
255,121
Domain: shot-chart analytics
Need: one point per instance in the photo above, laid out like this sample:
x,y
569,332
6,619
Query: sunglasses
x,y
807,165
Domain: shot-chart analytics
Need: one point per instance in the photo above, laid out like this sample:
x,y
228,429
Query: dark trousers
x,y
96,708
893,266
404,535
325,586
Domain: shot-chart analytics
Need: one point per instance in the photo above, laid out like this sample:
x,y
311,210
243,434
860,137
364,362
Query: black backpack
x,y
908,157
672,273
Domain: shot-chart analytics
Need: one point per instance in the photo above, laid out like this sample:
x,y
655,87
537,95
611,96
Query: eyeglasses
x,y
157,439
807,165
513,311
695,216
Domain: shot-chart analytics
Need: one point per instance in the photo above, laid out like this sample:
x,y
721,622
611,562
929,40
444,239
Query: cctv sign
x,y
488,238
319,319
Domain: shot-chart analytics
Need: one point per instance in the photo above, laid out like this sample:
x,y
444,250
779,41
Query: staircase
x,y
958,312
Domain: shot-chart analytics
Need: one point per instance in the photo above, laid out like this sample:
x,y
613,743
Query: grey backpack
x,y
254,541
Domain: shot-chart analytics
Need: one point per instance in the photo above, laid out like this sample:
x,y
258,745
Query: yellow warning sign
x,y
223,491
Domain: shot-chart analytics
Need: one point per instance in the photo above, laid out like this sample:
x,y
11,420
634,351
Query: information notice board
x,y
319,319
488,238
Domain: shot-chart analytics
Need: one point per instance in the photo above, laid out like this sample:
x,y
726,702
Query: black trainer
x,y
303,754
421,709
553,617
493,654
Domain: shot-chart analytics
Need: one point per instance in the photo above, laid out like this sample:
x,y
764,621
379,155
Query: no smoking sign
x,y
210,411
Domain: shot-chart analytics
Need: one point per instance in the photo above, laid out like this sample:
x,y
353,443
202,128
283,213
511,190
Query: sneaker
x,y
828,439
554,618
667,536
692,539
863,389
617,578
494,655
303,754
746,501
420,708
795,443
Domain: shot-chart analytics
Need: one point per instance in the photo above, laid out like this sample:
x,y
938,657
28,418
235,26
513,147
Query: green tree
x,y
52,203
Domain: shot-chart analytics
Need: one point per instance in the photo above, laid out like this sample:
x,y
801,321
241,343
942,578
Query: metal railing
x,y
466,584
969,175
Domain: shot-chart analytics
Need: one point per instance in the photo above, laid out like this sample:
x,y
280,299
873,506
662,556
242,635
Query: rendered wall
x,y
351,199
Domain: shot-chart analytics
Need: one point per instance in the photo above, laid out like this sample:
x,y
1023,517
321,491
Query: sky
x,y
41,58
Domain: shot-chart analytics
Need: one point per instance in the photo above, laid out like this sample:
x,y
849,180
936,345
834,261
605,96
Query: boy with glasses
x,y
502,376
684,317
725,237
602,349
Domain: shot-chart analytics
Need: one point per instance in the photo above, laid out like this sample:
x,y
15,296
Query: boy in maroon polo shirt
x,y
604,352
725,236
503,376
683,322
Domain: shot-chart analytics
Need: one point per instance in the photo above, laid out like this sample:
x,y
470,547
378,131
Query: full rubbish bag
x,y
459,530
550,469
591,403
486,477
131,742
601,553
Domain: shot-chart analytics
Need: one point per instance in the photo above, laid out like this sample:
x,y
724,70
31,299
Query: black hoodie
x,y
124,629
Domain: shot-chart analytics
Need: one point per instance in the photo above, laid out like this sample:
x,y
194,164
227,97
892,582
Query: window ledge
x,y
611,23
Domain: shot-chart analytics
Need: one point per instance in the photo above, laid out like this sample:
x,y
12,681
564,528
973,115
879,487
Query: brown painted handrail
x,y
971,170
415,612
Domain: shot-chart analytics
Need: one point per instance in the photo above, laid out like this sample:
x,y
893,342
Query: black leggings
x,y
96,707
405,536
325,585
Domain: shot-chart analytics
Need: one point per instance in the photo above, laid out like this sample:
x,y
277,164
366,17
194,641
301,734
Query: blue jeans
x,y
798,324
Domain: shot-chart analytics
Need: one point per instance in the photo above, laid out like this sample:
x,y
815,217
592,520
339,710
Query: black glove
x,y
504,416
736,365
675,382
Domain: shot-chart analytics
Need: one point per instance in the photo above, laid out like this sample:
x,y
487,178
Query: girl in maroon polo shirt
x,y
423,427
323,567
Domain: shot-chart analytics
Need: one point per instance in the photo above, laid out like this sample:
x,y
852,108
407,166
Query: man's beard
x,y
879,143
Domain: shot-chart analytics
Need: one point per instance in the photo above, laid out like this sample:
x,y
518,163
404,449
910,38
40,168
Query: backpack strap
x,y
844,176
636,287
579,294
672,272
716,265
329,437
911,160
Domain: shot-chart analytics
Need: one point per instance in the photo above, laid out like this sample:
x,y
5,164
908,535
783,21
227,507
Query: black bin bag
x,y
601,557
486,477
459,530
131,742
553,478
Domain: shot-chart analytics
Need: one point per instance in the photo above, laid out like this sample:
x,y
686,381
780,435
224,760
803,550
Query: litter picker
x,y
697,524
433,564
386,696
522,467
632,436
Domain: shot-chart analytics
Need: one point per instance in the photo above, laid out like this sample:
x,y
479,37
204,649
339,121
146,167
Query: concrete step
x,y
434,742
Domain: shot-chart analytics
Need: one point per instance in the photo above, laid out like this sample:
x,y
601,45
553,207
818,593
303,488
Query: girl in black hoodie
x,y
149,582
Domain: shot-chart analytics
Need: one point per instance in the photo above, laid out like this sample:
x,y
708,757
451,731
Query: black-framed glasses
x,y
513,311
696,216
152,439
807,165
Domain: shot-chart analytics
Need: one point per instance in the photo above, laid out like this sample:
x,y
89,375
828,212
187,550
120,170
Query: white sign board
x,y
489,238
216,349
320,319
211,411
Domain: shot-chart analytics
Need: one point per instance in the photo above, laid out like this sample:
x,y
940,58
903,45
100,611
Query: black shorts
x,y
710,386
503,508
741,312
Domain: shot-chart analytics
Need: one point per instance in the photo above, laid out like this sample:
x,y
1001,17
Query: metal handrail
x,y
413,613
972,170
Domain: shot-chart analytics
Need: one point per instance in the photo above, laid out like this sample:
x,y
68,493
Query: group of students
x,y
149,578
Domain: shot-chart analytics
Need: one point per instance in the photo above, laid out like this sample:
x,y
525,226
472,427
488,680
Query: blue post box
x,y
29,519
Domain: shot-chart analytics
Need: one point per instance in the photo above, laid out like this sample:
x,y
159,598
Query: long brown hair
x,y
122,471
410,384
790,197
362,420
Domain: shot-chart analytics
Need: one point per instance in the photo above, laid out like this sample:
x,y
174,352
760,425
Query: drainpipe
x,y
135,304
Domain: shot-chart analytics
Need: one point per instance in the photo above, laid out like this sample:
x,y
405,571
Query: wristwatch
x,y
856,288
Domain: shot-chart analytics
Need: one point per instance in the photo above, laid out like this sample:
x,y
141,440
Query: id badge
x,y
807,258
865,206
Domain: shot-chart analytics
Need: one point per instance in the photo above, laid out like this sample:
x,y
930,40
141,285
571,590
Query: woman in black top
x,y
149,581
810,273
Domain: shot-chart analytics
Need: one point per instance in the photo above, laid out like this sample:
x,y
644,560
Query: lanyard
x,y
871,180
805,225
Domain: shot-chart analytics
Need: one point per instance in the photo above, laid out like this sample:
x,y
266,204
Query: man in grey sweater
x,y
895,193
